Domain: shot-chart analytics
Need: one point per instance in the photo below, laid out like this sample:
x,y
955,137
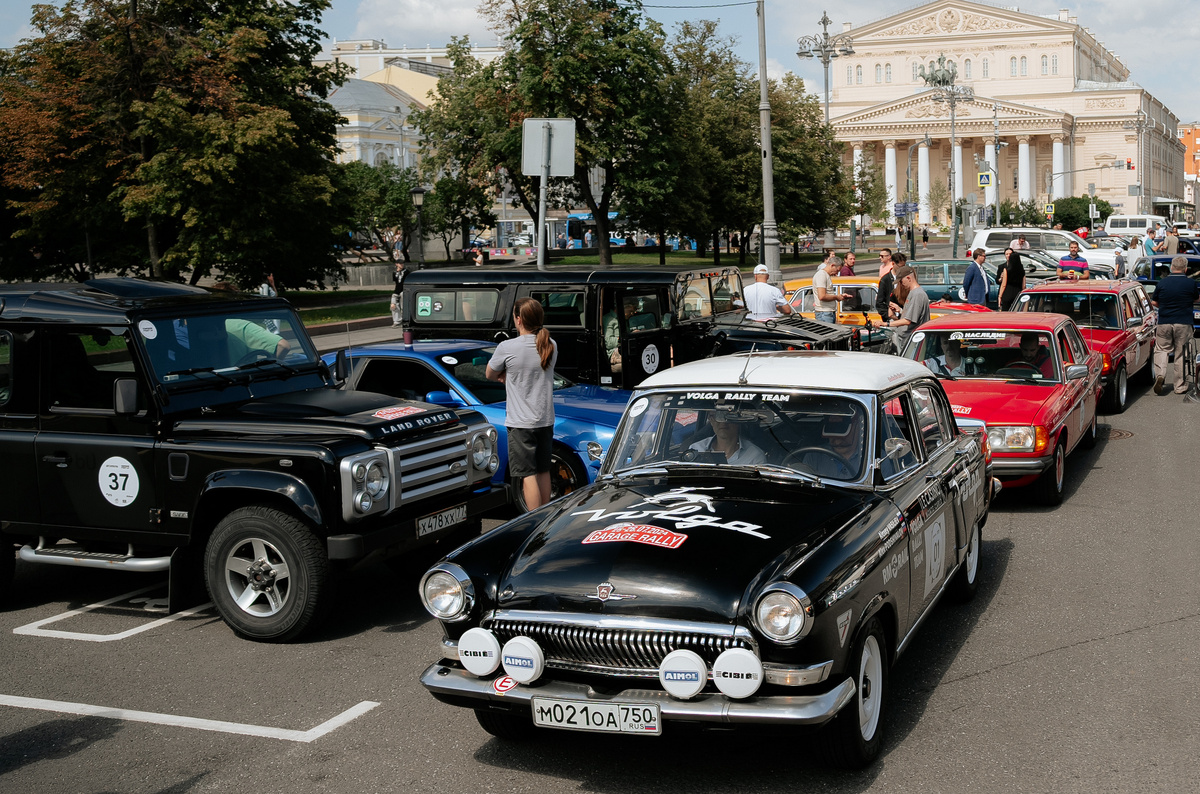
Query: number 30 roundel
x,y
118,481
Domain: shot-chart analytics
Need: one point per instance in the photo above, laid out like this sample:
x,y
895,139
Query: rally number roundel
x,y
650,359
118,481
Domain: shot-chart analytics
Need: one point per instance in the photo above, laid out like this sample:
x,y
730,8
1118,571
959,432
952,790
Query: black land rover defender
x,y
614,327
147,426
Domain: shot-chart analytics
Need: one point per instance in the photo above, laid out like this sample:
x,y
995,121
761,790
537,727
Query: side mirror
x,y
444,398
125,396
1076,371
896,448
1134,322
340,367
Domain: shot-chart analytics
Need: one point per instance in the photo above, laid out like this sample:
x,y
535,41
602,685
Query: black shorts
x,y
529,450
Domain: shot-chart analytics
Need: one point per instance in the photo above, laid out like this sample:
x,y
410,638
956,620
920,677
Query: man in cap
x,y
916,306
763,300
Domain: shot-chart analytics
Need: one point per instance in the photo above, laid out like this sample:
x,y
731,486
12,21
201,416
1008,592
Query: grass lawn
x,y
305,299
349,311
683,260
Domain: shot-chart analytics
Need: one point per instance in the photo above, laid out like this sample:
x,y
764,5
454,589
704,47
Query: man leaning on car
x,y
1073,266
1174,296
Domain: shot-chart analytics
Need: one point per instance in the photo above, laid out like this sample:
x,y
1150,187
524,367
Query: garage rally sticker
x,y
647,534
398,412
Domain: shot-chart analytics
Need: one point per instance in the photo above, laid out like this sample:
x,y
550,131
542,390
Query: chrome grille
x,y
635,651
431,465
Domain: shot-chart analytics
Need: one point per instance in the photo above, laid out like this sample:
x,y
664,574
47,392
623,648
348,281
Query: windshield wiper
x,y
772,472
264,362
198,370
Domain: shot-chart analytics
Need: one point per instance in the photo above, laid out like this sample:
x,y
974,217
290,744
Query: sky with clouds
x,y
1155,38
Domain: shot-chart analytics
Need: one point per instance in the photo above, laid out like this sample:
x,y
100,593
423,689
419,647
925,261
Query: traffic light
x,y
1128,164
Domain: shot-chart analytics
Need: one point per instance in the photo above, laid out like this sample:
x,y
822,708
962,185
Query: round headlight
x,y
481,451
376,479
363,502
782,613
447,593
359,472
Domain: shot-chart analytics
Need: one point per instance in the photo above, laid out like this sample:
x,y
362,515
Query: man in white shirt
x,y
763,300
1019,244
726,440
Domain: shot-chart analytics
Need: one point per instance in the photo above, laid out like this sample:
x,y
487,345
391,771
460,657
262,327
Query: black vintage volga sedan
x,y
766,534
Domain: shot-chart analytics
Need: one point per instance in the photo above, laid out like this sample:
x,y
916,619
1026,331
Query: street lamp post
x,y
1139,126
418,198
941,80
770,234
825,48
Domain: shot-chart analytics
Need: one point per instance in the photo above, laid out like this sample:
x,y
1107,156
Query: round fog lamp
x,y
479,651
683,674
358,471
523,660
737,673
362,502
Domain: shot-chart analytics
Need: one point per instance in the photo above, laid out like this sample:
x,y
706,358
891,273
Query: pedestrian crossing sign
x,y
985,179
1049,209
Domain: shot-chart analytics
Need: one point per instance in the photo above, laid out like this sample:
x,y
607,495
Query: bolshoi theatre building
x,y
1053,110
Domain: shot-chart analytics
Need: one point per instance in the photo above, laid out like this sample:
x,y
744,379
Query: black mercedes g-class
x,y
149,426
614,327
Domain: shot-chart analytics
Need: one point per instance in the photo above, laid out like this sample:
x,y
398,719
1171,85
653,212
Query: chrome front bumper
x,y
1020,467
458,687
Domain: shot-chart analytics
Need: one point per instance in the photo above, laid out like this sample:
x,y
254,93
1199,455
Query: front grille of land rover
x,y
431,465
637,651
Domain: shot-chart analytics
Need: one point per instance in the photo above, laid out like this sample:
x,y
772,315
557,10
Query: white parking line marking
x,y
35,629
85,710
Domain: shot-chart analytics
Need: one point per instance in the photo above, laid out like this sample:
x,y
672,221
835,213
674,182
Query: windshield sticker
x,y
1025,299
686,418
638,407
398,412
449,361
978,335
424,305
647,534
918,336
713,395
961,409
679,506
147,329
118,482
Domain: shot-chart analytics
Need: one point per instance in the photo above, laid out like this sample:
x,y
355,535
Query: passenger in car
x,y
726,440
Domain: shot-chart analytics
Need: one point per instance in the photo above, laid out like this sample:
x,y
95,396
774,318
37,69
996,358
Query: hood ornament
x,y
605,591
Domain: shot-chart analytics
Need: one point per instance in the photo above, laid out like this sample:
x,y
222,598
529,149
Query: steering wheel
x,y
797,457
1020,367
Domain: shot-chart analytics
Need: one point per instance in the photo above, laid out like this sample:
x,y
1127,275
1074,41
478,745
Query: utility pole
x,y
941,79
770,233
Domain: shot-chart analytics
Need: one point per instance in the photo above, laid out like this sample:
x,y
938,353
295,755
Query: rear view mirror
x,y
1077,371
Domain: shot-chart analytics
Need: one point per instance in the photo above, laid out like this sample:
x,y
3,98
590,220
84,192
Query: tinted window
x,y
464,306
897,450
564,308
641,312
1118,223
84,364
932,432
5,367
999,239
930,272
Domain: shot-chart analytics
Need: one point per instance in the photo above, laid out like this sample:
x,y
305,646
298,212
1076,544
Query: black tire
x,y
566,475
1089,439
1048,488
277,608
855,736
1116,398
502,725
966,581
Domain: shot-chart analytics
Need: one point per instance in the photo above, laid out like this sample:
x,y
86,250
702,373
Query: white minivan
x,y
1132,224
1054,241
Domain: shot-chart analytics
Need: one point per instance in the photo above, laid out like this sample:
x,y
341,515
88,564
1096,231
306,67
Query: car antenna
x,y
742,378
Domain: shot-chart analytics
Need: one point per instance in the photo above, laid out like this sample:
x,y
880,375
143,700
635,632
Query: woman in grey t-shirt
x,y
525,365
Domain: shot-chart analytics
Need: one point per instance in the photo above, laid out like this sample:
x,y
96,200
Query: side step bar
x,y
92,559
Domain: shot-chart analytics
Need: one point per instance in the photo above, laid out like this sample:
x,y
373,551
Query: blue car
x,y
450,372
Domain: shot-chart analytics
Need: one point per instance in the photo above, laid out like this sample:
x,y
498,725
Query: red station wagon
x,y
1029,376
1116,320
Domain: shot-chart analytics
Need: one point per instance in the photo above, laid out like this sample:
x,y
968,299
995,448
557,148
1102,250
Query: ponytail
x,y
532,317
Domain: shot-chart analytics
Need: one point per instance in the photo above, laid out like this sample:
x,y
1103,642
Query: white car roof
x,y
835,370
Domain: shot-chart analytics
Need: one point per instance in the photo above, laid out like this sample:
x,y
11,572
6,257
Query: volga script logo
x,y
683,507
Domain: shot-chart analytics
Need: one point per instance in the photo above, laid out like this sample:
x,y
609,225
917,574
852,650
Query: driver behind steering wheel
x,y
843,436
1035,355
726,440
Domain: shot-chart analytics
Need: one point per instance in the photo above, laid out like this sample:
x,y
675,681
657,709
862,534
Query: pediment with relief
x,y
951,20
943,17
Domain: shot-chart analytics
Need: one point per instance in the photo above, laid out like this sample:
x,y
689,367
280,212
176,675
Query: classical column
x,y
1058,177
923,181
1037,183
889,175
989,154
1024,193
958,171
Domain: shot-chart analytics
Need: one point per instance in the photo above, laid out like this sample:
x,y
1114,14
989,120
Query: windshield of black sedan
x,y
191,348
822,435
993,354
470,367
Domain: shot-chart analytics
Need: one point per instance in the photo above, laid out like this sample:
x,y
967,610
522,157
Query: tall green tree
x,y
1072,211
201,125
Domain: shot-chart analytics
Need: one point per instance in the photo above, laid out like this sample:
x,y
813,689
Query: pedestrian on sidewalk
x,y
887,282
525,365
1174,297
398,292
848,265
764,301
975,281
924,238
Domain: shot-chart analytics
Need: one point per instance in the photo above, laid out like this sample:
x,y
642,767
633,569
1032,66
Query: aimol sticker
x,y
637,533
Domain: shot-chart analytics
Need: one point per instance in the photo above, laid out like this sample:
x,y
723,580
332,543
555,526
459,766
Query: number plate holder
x,y
588,715
443,519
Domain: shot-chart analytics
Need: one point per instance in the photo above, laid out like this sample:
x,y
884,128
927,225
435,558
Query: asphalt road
x,y
1073,670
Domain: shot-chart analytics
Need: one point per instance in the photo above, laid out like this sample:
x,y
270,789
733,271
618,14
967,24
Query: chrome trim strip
x,y
451,682
618,622
785,675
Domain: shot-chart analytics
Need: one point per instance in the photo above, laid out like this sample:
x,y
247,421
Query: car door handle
x,y
58,460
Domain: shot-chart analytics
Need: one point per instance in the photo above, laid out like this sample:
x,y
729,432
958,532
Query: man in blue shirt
x,y
1073,266
1175,297
975,282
